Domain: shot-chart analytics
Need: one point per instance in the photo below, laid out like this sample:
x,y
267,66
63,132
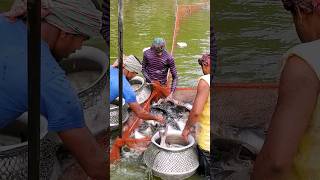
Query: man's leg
x,y
204,162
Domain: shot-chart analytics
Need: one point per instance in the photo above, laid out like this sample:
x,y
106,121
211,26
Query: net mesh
x,y
14,162
243,105
158,92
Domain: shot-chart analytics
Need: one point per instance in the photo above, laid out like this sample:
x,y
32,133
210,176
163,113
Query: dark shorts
x,y
204,162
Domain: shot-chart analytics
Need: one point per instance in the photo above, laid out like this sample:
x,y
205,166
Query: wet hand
x,y
185,133
160,119
170,98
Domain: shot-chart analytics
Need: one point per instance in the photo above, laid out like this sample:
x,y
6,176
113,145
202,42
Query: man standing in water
x,y
131,67
291,150
200,114
156,64
65,25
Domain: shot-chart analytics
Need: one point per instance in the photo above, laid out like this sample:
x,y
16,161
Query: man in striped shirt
x,y
156,63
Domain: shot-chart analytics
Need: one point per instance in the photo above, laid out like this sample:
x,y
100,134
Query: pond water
x,y
251,38
145,20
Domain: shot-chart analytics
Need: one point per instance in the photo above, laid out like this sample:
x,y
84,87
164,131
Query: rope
x,y
181,12
175,28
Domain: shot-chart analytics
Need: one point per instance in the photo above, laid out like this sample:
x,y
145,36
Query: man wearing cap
x,y
131,67
156,63
65,25
200,114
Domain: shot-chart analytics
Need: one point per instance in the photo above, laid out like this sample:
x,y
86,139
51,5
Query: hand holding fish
x,y
160,119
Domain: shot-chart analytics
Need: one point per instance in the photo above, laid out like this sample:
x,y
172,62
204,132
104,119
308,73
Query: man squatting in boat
x,y
65,25
292,146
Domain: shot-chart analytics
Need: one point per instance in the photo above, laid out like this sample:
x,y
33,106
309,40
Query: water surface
x,y
251,38
145,20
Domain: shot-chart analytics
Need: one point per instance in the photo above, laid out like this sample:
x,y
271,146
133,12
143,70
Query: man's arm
x,y
84,147
298,93
174,74
61,106
144,66
130,97
203,91
143,114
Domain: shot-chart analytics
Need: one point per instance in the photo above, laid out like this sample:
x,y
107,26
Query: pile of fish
x,y
175,117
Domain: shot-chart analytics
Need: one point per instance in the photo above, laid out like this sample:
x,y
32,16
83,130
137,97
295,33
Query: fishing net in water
x,y
14,161
243,105
157,92
183,11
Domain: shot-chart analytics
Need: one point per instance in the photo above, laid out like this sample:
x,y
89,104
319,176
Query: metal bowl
x,y
141,88
137,83
172,163
14,150
114,113
86,70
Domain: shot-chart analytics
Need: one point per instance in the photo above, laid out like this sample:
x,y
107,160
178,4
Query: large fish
x,y
175,117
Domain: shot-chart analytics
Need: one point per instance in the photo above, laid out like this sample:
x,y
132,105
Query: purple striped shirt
x,y
155,67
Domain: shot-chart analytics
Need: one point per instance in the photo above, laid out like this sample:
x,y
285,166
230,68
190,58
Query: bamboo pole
x,y
34,65
120,58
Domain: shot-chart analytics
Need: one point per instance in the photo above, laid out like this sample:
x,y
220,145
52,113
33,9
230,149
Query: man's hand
x,y
85,149
170,97
160,119
143,114
186,131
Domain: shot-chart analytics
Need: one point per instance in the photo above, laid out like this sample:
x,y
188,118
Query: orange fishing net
x,y
183,11
158,91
